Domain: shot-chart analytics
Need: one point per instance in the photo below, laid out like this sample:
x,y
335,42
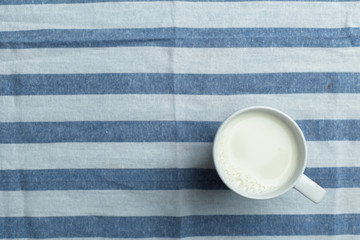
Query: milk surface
x,y
258,152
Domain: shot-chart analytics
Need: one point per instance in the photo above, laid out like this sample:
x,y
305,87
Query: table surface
x,y
108,110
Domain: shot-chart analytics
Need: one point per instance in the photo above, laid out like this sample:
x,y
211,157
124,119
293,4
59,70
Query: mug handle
x,y
310,189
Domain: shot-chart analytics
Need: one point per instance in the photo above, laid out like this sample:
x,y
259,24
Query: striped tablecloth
x,y
108,110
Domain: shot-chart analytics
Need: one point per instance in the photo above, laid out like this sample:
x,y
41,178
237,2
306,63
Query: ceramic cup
x,y
296,179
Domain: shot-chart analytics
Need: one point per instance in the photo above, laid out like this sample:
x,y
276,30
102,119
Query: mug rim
x,y
271,110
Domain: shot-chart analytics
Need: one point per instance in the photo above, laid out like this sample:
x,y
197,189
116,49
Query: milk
x,y
257,152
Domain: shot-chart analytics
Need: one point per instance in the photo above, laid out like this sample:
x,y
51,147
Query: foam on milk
x,y
258,152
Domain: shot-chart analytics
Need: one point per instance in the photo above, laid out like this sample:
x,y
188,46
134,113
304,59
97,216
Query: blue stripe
x,y
149,179
183,37
137,131
156,83
180,227
155,131
114,179
19,2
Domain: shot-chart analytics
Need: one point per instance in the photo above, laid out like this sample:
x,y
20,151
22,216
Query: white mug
x,y
296,179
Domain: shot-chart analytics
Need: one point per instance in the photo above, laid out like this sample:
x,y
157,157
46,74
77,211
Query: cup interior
x,y
300,144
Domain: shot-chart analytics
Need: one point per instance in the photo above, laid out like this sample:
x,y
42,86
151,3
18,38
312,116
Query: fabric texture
x,y
108,111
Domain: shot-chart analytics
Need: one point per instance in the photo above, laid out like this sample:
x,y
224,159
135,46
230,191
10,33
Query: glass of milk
x,y
260,153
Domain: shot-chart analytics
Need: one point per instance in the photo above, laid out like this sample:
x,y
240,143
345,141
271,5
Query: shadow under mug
x,y
298,180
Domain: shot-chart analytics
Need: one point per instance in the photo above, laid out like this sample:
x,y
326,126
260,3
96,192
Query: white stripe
x,y
180,14
298,106
333,154
169,203
149,107
178,60
151,155
86,16
105,155
86,108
